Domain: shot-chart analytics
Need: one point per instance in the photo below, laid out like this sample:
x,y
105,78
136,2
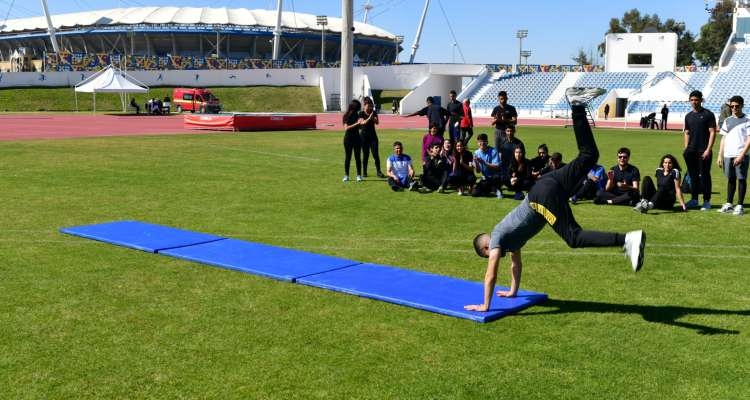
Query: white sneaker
x,y
640,207
359,178
499,194
635,243
582,95
738,210
649,205
726,208
706,206
346,178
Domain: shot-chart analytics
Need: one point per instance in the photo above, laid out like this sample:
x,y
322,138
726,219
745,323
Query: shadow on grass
x,y
668,315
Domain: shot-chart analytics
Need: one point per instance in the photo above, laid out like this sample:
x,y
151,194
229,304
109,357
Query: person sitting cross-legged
x,y
399,169
519,177
594,181
435,172
487,162
622,182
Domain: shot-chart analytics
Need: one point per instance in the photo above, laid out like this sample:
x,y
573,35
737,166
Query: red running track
x,y
59,126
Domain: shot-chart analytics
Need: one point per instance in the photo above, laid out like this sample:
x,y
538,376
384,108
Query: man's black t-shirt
x,y
455,110
627,175
697,124
503,114
436,115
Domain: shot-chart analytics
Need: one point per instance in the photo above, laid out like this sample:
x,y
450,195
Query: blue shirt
x,y
400,166
491,156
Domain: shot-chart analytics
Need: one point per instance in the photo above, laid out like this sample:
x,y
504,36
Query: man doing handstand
x,y
547,203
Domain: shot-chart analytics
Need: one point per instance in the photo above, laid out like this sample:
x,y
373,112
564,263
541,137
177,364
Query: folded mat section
x,y
140,235
436,293
260,259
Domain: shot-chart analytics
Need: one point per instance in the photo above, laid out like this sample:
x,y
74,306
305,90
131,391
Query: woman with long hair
x,y
462,175
370,137
352,140
667,189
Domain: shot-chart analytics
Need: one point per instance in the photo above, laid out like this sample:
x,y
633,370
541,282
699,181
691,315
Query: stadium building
x,y
236,33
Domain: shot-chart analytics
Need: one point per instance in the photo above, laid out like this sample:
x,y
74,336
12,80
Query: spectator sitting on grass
x,y
435,172
430,138
399,169
487,162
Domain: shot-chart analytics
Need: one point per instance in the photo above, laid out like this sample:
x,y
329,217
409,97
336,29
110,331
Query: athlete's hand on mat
x,y
505,293
476,307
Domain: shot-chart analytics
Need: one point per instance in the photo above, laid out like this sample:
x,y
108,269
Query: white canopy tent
x,y
669,90
110,80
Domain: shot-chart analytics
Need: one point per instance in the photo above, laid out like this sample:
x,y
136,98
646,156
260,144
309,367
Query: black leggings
x,y
352,142
370,143
551,192
662,199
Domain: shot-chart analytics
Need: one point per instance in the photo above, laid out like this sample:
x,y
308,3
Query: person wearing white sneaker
x,y
547,203
733,149
399,169
700,133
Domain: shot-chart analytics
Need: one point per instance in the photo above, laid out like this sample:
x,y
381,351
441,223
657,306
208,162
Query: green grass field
x,y
85,320
249,99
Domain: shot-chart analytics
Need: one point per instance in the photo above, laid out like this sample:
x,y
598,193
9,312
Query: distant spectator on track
x,y
606,111
135,105
664,117
436,115
502,115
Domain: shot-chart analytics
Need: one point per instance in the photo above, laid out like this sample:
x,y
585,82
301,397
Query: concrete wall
x,y
662,46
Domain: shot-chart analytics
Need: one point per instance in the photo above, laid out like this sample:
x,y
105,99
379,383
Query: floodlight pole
x,y
50,28
520,34
277,31
347,52
415,46
322,22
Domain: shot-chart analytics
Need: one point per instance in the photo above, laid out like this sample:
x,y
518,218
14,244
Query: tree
x,y
633,22
715,33
581,58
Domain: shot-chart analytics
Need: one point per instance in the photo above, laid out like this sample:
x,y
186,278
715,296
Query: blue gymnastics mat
x,y
260,259
436,293
140,235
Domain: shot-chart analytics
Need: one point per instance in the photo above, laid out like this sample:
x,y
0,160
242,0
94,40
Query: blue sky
x,y
485,30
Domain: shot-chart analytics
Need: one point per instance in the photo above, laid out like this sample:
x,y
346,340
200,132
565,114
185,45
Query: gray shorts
x,y
739,172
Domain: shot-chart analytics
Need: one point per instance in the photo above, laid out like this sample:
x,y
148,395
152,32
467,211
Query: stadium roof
x,y
185,15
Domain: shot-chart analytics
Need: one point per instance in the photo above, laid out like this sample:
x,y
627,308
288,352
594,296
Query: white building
x,y
640,52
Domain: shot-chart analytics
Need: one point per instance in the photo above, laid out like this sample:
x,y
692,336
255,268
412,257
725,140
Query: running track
x,y
60,126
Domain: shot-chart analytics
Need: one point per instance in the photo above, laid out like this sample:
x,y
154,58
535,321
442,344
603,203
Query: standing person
x,y
352,140
667,189
735,143
622,182
467,123
394,106
436,115
502,115
463,169
547,203
606,111
399,169
455,113
664,115
369,138
700,133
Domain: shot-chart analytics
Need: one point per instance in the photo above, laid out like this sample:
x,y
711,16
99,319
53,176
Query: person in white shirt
x,y
733,149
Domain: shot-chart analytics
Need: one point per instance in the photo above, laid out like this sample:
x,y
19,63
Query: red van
x,y
195,100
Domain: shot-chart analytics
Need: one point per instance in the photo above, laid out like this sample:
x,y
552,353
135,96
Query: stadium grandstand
x,y
188,35
161,43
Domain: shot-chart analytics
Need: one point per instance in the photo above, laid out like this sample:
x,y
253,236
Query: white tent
x,y
110,80
665,91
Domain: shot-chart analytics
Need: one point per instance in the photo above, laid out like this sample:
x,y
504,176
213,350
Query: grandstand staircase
x,y
334,102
